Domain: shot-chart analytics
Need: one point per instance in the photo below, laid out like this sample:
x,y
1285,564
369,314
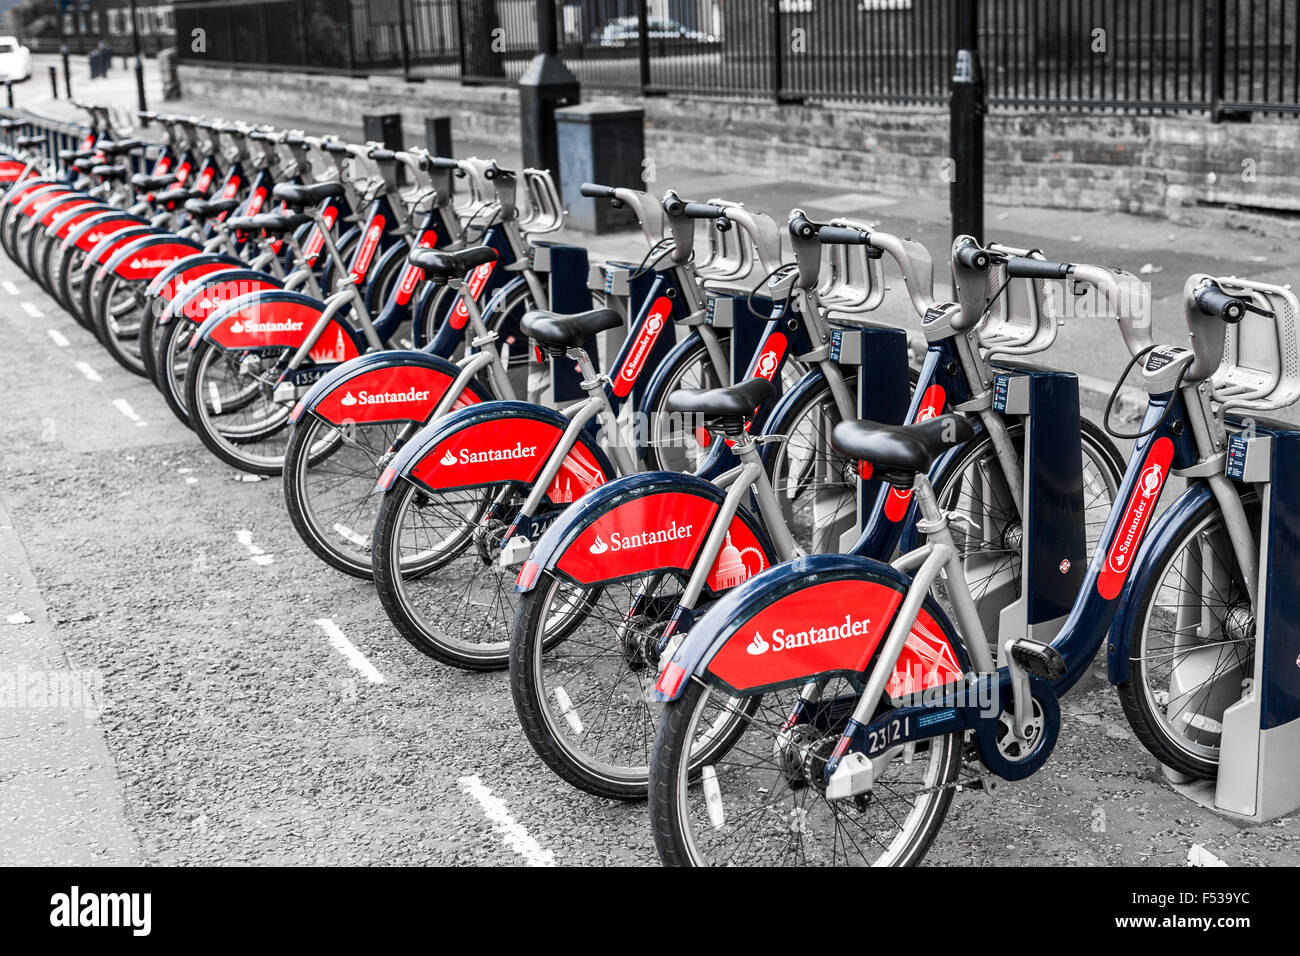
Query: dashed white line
x,y
31,309
10,288
123,406
514,835
85,369
351,653
245,537
57,337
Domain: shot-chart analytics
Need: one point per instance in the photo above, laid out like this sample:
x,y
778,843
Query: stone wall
x,y
1154,165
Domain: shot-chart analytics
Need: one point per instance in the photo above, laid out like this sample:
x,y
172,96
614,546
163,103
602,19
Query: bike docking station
x,y
849,283
1258,776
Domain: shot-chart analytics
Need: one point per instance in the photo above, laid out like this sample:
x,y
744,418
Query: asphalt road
x,y
252,706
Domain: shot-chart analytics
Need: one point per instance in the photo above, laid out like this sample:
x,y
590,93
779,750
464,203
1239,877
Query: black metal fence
x,y
86,26
1217,56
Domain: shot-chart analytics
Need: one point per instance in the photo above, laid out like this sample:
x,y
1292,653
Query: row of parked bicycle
x,y
736,552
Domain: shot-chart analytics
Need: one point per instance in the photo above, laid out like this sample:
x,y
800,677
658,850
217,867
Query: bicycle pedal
x,y
1039,659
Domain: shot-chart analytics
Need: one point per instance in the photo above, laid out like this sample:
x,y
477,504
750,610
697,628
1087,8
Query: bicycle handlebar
x,y
1213,301
842,236
596,191
1024,267
972,256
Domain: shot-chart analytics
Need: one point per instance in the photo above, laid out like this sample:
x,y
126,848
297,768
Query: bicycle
x,y
881,700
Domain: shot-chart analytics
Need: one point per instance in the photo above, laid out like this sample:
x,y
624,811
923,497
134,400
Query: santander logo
x,y
367,250
645,341
251,327
626,542
1141,505
767,364
386,398
477,280
139,263
470,457
1148,486
783,640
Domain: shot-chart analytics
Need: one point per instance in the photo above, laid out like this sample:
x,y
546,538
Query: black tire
x,y
459,570
574,760
70,260
170,365
672,783
118,316
1151,710
255,441
365,454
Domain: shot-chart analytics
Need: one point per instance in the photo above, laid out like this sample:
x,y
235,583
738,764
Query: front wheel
x,y
1193,652
763,803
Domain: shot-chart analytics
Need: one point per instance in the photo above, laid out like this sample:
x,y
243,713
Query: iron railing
x,y
1215,56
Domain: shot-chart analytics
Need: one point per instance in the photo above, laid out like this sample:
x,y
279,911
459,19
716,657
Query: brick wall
x,y
1164,166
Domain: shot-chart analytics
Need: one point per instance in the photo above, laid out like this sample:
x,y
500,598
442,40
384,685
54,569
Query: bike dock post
x,y
1052,515
880,354
569,293
1259,743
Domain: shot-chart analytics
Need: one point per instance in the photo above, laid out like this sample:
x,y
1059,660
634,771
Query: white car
x,y
15,61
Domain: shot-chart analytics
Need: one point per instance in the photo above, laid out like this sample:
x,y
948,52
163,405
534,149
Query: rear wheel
x,y
119,311
171,364
763,802
1193,652
438,575
231,404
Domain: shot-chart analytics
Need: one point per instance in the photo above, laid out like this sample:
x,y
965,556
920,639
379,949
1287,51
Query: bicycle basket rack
x,y
1025,318
541,212
852,280
1260,370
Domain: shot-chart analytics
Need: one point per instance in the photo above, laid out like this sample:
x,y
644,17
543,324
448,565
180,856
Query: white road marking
x,y
57,337
359,540
351,653
90,373
514,835
11,288
31,309
245,537
713,798
123,406
566,709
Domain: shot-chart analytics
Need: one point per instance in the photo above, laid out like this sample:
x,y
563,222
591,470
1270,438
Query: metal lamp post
x,y
545,85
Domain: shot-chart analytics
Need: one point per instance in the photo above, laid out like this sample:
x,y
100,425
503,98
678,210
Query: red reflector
x,y
865,470
527,575
386,479
671,679
537,355
702,436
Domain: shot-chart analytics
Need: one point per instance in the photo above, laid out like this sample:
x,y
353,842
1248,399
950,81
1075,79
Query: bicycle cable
x,y
749,298
654,255
1114,394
